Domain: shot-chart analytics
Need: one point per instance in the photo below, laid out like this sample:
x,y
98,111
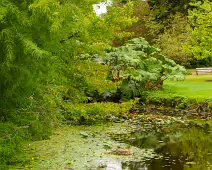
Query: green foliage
x,y
172,41
170,29
98,87
27,63
10,142
32,62
96,112
43,78
162,14
111,26
24,124
92,84
96,76
40,68
140,67
200,17
141,11
40,38
180,102
200,62
27,68
164,8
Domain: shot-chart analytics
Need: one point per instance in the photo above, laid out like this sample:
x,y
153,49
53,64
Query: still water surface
x,y
185,149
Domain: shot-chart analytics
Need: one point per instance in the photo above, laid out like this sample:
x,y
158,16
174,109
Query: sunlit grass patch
x,y
194,93
195,86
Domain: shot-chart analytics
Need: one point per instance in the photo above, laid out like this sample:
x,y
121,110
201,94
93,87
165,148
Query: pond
x,y
131,145
184,149
188,147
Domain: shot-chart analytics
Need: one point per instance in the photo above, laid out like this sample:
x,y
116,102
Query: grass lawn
x,y
195,86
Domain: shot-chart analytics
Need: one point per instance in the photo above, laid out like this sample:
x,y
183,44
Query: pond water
x,y
122,146
181,150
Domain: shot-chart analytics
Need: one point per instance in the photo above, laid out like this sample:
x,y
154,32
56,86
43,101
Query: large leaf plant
x,y
140,67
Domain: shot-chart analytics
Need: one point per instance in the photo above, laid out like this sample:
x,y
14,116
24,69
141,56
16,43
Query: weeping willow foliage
x,y
36,37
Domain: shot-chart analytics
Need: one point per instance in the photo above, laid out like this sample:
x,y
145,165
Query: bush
x,y
204,62
11,138
36,122
139,67
170,36
96,112
180,102
98,86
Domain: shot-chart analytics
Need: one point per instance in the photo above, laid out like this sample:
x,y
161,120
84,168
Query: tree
x,y
29,38
40,39
111,26
201,20
173,40
162,13
141,11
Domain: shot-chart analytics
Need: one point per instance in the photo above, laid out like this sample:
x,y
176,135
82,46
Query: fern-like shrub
x,y
140,66
35,61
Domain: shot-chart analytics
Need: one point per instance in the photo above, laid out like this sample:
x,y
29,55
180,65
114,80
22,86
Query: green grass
x,y
195,86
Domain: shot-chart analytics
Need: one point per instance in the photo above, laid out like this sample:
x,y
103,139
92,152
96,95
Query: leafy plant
x,y
172,41
140,66
96,112
200,17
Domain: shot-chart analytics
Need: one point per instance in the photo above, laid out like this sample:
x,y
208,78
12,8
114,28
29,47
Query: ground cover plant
x,y
98,112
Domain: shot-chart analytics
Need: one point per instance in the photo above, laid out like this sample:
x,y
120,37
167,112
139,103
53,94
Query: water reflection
x,y
188,149
108,164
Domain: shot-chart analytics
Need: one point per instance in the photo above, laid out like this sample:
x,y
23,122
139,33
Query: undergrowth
x,y
27,126
35,122
180,101
97,112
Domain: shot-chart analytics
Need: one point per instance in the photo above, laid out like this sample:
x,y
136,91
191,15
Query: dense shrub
x,y
180,102
97,112
139,67
201,62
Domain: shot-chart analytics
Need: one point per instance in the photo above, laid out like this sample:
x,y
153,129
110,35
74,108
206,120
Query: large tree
x,y
201,19
37,37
